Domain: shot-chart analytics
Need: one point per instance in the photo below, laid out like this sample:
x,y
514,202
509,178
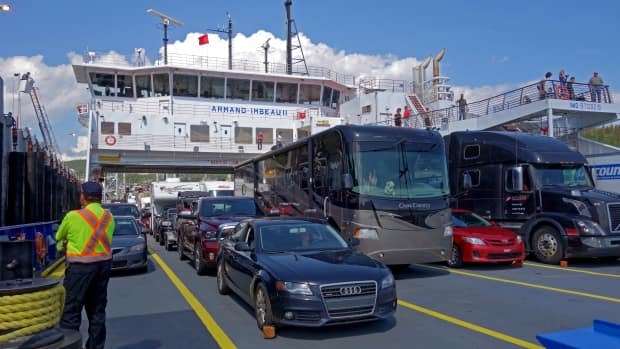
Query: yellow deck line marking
x,y
216,331
470,326
574,270
526,284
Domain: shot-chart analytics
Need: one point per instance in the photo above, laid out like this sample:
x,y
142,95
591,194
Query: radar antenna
x,y
166,20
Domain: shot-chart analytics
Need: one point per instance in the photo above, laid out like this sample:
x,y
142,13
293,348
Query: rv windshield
x,y
562,176
400,169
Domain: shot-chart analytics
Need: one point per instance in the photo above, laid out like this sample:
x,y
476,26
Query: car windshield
x,y
126,227
214,208
309,236
468,219
123,210
562,176
399,169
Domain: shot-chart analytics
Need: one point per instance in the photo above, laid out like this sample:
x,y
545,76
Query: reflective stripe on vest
x,y
98,236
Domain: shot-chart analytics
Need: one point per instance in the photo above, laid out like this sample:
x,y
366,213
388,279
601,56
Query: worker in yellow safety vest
x,y
87,235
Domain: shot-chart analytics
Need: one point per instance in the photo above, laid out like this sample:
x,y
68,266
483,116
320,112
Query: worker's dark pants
x,y
87,286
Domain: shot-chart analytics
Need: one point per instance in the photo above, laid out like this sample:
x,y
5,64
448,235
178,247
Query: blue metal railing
x,y
43,237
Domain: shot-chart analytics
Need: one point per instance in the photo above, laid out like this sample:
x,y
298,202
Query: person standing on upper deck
x,y
259,140
398,118
596,87
462,104
406,116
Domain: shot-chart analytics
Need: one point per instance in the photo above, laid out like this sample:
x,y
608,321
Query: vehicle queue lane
x,y
522,312
407,327
146,311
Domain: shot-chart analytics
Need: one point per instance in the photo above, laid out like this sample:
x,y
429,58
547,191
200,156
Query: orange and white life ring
x,y
110,140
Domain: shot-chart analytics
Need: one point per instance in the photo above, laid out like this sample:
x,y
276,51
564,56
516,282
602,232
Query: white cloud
x,y
500,59
81,145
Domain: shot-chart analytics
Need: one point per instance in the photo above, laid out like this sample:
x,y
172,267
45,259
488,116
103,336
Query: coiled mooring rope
x,y
29,313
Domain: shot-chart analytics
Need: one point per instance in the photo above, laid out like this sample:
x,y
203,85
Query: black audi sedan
x,y
301,272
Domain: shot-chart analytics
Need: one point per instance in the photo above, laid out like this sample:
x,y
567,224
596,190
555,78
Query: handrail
x,y
217,63
553,89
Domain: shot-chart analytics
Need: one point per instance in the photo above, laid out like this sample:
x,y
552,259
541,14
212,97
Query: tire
x,y
399,268
262,307
167,246
155,236
199,264
161,239
222,286
180,250
456,259
548,245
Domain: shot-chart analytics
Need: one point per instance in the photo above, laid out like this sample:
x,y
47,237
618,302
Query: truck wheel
x,y
222,287
167,244
548,246
161,239
180,249
199,264
455,260
262,307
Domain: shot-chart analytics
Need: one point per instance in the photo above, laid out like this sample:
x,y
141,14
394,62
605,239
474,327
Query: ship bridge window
x,y
107,128
238,89
124,129
102,84
211,87
286,92
199,133
335,98
161,84
327,96
262,90
143,86
124,83
243,135
185,85
310,94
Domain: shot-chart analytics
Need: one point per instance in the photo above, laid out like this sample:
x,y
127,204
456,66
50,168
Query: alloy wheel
x,y
547,244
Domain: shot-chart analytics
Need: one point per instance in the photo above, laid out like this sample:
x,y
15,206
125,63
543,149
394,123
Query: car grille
x,y
307,316
503,242
504,255
349,299
614,217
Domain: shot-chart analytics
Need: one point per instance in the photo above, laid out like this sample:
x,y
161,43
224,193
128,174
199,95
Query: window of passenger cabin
x,y
471,152
212,87
366,109
199,133
287,134
185,85
310,94
286,92
243,135
107,128
335,98
475,177
124,128
303,132
267,134
102,84
161,84
327,96
143,86
262,91
238,89
124,83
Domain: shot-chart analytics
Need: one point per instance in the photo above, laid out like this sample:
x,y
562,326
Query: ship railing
x,y
512,99
217,63
151,142
391,85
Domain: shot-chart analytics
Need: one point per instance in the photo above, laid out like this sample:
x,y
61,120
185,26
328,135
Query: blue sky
x,y
488,43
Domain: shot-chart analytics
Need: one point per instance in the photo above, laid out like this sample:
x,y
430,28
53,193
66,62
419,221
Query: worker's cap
x,y
91,188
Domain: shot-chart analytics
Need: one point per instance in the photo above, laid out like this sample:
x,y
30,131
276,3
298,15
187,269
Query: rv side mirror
x,y
347,181
517,178
467,181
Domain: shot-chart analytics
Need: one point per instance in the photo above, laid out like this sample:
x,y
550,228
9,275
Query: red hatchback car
x,y
475,240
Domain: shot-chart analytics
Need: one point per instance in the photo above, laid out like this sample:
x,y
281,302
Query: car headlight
x,y
589,228
387,281
474,241
447,231
366,233
519,239
294,287
137,248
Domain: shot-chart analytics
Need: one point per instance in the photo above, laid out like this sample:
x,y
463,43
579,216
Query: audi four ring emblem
x,y
350,290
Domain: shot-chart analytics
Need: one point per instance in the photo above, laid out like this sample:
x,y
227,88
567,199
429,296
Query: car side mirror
x,y
467,184
242,247
517,178
354,242
347,181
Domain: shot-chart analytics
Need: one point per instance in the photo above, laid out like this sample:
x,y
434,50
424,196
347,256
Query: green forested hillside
x,y
608,135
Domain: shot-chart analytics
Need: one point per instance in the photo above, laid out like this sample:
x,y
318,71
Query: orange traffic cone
x,y
269,332
564,263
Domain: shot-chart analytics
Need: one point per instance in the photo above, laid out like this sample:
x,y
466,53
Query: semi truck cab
x,y
538,187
